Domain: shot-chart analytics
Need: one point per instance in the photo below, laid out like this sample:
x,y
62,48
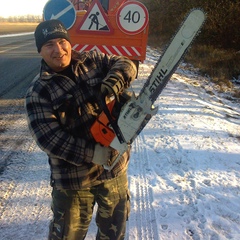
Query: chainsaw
x,y
119,124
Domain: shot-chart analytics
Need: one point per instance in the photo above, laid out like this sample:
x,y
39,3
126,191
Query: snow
x,y
184,170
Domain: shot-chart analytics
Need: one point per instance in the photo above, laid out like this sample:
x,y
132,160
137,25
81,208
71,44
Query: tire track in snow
x,y
142,213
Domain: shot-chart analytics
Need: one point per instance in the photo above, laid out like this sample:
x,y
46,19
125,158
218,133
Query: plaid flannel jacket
x,y
61,110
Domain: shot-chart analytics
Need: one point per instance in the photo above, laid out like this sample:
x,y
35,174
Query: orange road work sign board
x,y
111,26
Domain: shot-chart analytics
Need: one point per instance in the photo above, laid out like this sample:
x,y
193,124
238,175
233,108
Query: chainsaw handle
x,y
111,165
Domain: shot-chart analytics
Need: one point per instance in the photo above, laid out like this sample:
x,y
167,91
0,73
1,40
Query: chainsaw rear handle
x,y
113,162
121,148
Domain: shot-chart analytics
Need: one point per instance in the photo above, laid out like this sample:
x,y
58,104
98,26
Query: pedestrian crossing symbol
x,y
95,20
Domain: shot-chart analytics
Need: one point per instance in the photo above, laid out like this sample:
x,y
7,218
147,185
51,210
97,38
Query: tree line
x,y
222,27
22,19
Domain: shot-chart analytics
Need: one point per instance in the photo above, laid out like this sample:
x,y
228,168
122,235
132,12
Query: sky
x,y
21,7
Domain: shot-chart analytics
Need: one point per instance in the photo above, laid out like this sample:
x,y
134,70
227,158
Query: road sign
x,y
128,51
95,20
62,10
132,17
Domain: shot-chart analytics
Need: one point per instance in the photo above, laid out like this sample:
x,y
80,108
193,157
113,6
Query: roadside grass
x,y
8,28
220,65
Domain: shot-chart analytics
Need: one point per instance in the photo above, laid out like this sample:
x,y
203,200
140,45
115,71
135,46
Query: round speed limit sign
x,y
132,17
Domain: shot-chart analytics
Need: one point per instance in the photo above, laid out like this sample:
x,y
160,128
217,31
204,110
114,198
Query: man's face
x,y
57,54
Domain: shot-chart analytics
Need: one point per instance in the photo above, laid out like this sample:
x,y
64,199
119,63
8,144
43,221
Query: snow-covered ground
x,y
184,172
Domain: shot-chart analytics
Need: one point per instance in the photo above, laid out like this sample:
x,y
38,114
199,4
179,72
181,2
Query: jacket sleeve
x,y
119,68
123,70
47,132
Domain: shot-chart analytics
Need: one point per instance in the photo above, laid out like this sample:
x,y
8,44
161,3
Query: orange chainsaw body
x,y
101,129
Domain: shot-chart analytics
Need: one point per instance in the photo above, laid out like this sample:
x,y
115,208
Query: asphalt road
x,y
19,64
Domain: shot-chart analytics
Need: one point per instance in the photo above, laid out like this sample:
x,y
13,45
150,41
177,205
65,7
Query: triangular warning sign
x,y
95,20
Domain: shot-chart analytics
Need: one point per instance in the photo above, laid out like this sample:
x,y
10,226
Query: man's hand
x,y
111,86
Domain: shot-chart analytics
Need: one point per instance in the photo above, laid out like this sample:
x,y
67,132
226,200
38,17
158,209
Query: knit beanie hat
x,y
48,30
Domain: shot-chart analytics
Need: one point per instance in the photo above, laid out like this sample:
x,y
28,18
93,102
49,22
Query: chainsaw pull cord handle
x,y
113,123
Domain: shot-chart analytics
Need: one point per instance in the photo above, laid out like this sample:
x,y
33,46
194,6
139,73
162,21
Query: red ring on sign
x,y
141,28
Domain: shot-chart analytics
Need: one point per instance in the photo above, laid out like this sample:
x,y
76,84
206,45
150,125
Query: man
x,y
62,104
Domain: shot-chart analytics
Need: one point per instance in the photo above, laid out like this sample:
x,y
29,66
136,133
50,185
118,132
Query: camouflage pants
x,y
72,211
